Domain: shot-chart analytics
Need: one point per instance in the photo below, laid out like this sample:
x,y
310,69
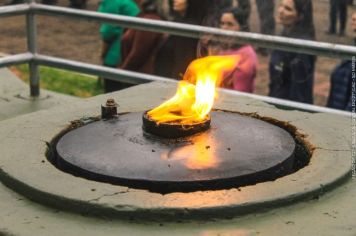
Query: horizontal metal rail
x,y
195,31
274,42
14,10
138,78
15,59
290,104
112,73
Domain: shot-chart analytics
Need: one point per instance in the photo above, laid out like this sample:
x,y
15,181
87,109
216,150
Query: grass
x,y
63,81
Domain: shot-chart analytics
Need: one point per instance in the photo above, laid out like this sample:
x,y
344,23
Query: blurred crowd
x,y
291,74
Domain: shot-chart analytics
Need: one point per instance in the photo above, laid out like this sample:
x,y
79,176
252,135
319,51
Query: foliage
x,y
63,81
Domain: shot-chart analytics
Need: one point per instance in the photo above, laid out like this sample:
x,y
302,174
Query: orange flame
x,y
196,92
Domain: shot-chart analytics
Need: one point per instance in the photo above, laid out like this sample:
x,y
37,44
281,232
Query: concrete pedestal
x,y
317,200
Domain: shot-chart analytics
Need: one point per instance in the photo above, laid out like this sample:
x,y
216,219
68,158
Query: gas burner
x,y
236,151
173,130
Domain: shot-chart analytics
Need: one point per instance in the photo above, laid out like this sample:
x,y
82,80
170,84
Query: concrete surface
x,y
15,100
123,211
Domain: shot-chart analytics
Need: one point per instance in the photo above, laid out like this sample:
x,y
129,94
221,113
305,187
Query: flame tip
x,y
196,92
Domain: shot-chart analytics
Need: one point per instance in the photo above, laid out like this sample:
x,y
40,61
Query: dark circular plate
x,y
236,151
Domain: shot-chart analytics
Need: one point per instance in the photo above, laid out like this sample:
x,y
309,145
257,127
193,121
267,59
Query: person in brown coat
x,y
177,52
139,48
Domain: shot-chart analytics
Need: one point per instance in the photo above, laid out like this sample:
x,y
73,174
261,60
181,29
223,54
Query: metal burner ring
x,y
173,130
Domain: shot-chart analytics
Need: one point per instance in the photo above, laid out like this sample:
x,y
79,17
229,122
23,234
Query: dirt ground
x,y
79,40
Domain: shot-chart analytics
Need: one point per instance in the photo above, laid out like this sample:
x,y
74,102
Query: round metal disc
x,y
236,151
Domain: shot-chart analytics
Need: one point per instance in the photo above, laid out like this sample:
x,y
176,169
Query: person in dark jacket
x,y
338,8
292,74
340,96
139,48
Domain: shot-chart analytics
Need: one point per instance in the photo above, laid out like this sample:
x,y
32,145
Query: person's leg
x,y
333,13
113,85
343,16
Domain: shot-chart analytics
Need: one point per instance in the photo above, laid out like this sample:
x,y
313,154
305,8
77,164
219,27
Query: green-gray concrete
x,y
15,99
123,211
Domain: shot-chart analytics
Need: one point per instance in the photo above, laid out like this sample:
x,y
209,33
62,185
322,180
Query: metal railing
x,y
32,9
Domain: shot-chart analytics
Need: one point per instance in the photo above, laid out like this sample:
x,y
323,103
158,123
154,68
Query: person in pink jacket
x,y
243,76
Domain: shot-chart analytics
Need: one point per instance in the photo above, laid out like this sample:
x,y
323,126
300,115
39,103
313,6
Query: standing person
x,y
139,47
177,52
213,15
340,96
111,37
242,77
338,8
214,10
292,74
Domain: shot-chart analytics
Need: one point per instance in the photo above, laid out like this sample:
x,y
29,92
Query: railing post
x,y
32,48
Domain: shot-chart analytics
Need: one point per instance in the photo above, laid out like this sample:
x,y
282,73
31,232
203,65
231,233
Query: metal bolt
x,y
111,102
109,110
